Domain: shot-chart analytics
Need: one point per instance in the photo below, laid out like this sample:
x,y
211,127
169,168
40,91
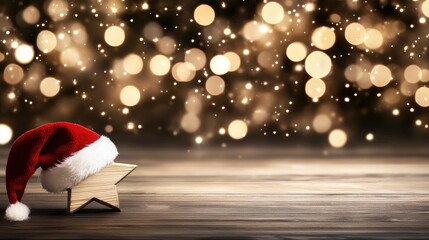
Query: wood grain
x,y
236,194
100,187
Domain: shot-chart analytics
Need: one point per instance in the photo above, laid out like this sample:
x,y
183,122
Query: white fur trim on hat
x,y
82,164
17,212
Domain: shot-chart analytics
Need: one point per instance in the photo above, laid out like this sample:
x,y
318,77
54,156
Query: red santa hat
x,y
67,153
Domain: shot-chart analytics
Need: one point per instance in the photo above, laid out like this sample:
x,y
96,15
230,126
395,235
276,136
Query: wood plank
x,y
225,197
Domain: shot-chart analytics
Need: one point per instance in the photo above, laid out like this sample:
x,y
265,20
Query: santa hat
x,y
67,153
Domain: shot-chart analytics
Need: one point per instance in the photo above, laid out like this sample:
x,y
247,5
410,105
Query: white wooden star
x,y
100,187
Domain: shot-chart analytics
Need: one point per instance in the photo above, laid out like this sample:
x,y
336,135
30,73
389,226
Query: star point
x,y
100,187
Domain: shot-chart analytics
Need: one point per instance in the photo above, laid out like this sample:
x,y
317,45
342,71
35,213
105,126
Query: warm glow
x,y
215,85
315,88
373,38
57,9
160,65
322,123
6,134
380,75
337,138
272,13
413,74
183,71
114,36
422,96
24,54
166,45
204,15
234,59
196,57
425,8
50,86
46,41
296,51
355,33
13,74
31,15
190,122
323,38
130,96
133,64
237,129
220,64
318,64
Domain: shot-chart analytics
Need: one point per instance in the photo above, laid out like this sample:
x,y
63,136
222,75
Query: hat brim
x,y
80,165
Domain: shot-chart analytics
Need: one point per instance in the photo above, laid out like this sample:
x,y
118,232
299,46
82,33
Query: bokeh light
x,y
296,51
272,12
380,75
46,41
318,64
215,85
220,64
114,36
355,33
190,122
160,65
31,15
13,74
373,38
315,88
24,54
6,134
204,15
422,96
237,129
234,60
50,86
337,138
133,64
196,57
130,96
323,38
322,123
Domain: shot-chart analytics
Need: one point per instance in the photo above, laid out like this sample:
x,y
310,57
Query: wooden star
x,y
100,187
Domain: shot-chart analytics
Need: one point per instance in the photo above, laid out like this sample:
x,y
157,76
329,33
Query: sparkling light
x,y
272,12
220,64
114,36
133,64
369,137
323,38
130,96
337,138
215,85
204,15
24,54
6,134
380,75
355,33
57,9
296,51
318,64
160,65
46,41
50,86
237,129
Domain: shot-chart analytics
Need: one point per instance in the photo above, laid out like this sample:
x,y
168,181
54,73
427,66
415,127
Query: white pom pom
x,y
17,212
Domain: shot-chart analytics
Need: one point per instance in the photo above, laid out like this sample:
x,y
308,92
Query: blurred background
x,y
333,74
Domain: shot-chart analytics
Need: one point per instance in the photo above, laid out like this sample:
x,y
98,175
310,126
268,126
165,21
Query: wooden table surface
x,y
245,194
